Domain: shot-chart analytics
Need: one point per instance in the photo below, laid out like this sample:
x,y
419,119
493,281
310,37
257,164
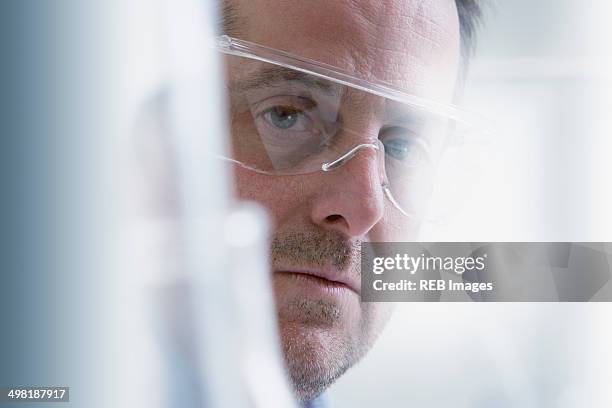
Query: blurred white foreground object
x,y
234,328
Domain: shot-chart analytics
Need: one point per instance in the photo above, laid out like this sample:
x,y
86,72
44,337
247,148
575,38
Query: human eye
x,y
289,118
397,148
405,147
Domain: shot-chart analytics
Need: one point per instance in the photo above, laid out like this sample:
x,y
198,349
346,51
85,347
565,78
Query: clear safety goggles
x,y
292,116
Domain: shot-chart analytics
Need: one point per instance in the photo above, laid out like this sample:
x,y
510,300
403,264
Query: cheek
x,y
394,227
281,196
375,317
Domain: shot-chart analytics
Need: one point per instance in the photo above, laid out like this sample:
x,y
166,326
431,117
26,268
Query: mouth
x,y
331,281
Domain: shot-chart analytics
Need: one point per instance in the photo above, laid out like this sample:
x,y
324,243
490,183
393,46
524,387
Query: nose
x,y
351,197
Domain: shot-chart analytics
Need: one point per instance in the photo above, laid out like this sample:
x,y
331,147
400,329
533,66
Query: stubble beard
x,y
320,341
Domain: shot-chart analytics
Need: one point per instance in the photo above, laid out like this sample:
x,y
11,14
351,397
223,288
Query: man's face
x,y
320,219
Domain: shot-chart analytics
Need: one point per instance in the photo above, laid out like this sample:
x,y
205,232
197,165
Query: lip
x,y
331,277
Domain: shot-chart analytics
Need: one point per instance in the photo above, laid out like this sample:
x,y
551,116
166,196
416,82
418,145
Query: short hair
x,y
470,14
469,11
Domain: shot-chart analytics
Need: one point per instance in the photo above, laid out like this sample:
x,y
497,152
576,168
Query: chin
x,y
320,343
316,356
322,337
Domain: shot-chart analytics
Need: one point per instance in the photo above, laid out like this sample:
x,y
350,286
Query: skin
x,y
321,218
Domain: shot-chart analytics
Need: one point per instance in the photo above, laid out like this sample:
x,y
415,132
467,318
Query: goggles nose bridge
x,y
380,157
343,159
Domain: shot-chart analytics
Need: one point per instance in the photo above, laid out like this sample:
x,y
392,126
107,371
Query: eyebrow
x,y
274,75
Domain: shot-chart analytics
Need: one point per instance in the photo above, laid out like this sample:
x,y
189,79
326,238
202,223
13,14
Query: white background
x,y
544,175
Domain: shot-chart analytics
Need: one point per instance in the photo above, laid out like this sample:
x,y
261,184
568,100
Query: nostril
x,y
334,218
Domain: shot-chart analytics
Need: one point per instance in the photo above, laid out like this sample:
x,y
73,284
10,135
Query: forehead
x,y
413,44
